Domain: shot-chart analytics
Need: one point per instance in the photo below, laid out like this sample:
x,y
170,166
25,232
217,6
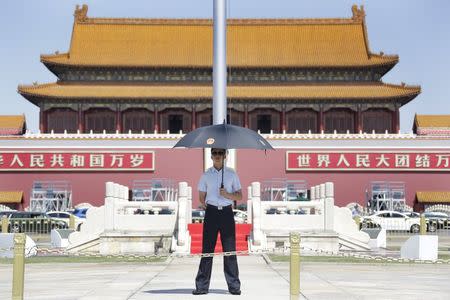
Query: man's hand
x,y
224,193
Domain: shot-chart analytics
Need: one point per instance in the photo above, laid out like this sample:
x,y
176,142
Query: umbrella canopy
x,y
224,136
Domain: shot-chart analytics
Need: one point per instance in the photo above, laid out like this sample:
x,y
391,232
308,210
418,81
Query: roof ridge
x,y
403,85
209,22
383,55
35,85
82,18
53,55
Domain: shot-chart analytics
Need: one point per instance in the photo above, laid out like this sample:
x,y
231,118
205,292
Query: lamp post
x,y
220,62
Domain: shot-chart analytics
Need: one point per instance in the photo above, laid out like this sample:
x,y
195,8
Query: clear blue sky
x,y
417,30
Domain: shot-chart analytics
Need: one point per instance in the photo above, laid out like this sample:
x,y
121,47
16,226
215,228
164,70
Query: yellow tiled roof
x,y
11,196
433,197
189,43
307,91
12,122
436,121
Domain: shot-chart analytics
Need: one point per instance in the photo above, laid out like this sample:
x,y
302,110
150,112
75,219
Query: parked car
x,y
80,212
440,219
198,215
412,214
394,220
32,222
64,216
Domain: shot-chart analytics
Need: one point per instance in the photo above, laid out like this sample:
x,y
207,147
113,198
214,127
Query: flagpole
x,y
220,62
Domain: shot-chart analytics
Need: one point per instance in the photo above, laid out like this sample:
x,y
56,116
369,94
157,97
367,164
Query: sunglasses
x,y
217,153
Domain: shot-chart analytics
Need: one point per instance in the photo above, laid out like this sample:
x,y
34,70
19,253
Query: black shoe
x,y
235,292
199,292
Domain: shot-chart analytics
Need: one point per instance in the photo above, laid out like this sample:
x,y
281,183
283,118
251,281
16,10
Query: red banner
x,y
77,161
368,160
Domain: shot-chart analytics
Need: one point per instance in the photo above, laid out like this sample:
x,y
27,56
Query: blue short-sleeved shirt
x,y
210,183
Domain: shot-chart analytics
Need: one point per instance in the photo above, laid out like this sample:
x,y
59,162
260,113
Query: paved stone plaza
x,y
174,279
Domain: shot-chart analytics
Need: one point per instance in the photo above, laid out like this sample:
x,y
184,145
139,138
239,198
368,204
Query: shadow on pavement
x,y
184,291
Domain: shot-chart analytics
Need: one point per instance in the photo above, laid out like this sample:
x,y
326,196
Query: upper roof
x,y
305,91
189,43
433,196
432,121
12,125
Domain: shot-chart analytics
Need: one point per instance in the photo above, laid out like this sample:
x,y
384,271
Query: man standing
x,y
219,217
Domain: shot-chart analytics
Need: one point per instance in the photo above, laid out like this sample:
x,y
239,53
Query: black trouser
x,y
218,221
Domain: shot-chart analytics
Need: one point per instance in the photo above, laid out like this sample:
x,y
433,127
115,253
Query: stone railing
x,y
322,225
168,135
125,226
124,215
281,217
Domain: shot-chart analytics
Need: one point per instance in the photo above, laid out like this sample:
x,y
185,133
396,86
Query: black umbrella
x,y
224,136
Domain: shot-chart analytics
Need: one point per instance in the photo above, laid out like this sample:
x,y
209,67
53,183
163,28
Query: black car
x,y
32,222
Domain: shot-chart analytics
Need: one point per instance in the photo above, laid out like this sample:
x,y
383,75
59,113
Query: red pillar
x,y
194,119
118,119
80,119
283,118
396,119
42,121
321,125
246,116
359,120
156,120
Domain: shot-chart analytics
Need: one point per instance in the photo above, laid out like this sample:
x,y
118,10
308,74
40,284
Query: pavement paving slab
x,y
174,279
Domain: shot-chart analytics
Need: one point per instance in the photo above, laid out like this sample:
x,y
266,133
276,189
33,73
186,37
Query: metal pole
x,y
72,222
358,222
5,223
220,62
423,225
294,268
18,266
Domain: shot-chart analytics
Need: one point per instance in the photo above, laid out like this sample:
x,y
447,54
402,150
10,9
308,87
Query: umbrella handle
x,y
223,166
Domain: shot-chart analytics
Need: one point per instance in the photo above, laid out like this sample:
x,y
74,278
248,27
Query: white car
x,y
64,216
393,220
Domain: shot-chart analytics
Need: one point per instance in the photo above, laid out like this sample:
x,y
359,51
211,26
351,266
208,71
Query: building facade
x,y
287,75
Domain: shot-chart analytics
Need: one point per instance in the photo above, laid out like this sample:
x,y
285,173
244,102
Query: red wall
x,y
252,165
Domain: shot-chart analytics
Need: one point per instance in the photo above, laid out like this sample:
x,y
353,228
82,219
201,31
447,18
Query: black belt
x,y
220,207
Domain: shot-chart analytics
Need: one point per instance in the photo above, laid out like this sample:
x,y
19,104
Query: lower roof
x,y
193,92
10,125
433,197
432,121
11,196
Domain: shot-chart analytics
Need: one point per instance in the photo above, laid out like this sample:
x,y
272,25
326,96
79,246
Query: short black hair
x,y
220,149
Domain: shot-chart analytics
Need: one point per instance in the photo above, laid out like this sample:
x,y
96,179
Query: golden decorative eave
x,y
433,196
141,91
432,121
11,196
339,42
